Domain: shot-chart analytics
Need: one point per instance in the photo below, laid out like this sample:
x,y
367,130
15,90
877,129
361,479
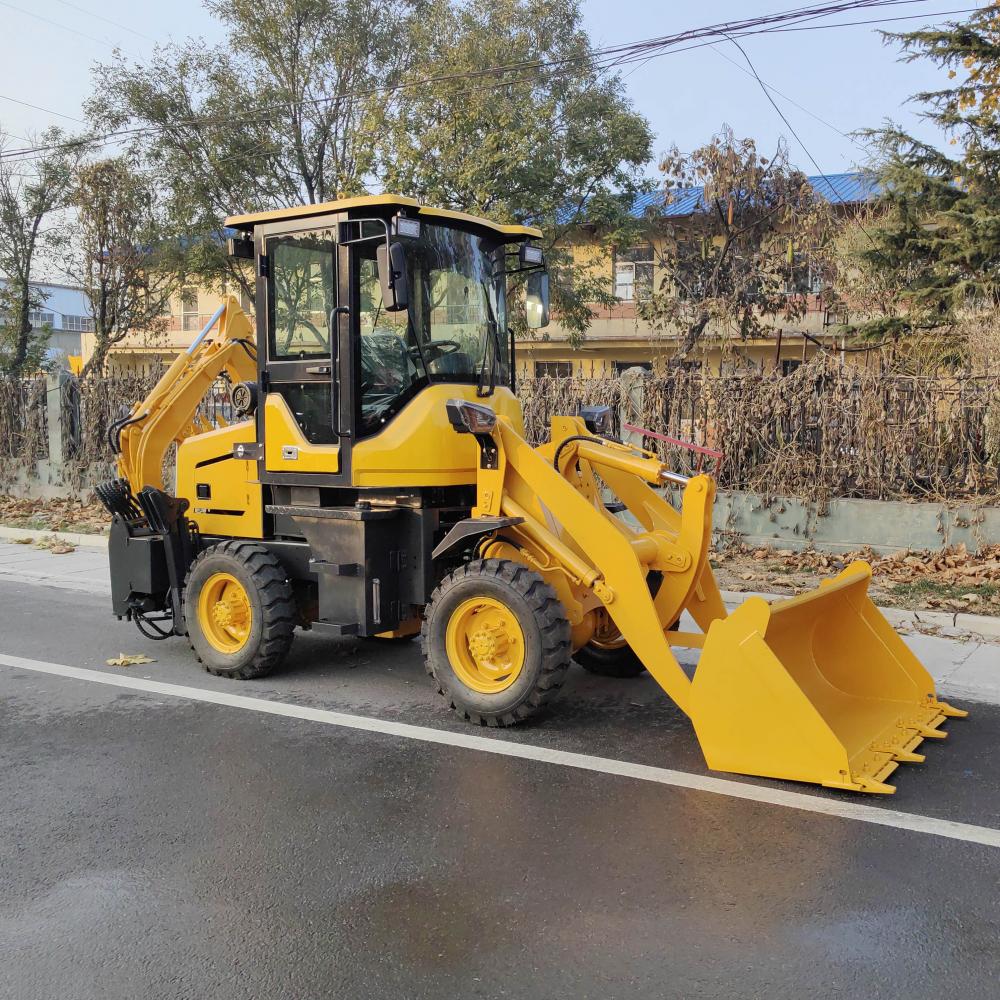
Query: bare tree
x,y
126,259
32,191
737,261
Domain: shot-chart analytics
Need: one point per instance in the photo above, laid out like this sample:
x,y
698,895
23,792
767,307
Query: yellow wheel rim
x,y
224,613
485,645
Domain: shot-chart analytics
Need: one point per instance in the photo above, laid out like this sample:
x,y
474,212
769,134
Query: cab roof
x,y
252,219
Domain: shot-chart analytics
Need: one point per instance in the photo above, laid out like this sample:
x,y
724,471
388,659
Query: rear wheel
x,y
239,610
497,642
609,655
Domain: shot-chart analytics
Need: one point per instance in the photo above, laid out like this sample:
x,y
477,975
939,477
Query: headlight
x,y
470,418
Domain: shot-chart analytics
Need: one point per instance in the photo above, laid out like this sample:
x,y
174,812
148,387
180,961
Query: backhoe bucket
x,y
816,688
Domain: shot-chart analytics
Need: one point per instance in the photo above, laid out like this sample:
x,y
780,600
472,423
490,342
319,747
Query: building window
x,y
553,369
77,324
634,273
788,365
805,276
189,308
37,318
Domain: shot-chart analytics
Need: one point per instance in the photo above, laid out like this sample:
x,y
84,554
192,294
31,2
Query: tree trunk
x,y
24,328
96,363
691,337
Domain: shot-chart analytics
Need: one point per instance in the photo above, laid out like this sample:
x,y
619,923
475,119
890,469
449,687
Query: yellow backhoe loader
x,y
373,479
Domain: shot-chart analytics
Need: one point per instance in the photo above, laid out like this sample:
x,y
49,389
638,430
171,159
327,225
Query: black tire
x,y
544,625
271,602
612,661
609,661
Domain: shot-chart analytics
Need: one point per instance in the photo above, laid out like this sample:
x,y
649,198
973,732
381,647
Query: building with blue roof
x,y
618,339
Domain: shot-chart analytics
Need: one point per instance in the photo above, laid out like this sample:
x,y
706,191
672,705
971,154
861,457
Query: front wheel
x,y
497,642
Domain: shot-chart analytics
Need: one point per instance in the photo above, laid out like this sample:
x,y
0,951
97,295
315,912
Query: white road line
x,y
857,811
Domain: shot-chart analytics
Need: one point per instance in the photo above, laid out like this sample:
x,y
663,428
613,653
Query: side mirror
x,y
392,277
240,247
536,299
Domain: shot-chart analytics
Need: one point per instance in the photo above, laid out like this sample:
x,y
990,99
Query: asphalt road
x,y
156,846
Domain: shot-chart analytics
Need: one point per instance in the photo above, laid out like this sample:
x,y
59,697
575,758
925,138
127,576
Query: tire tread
x,y
553,626
277,605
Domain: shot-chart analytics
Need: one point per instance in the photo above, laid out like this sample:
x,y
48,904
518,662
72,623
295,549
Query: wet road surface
x,y
157,847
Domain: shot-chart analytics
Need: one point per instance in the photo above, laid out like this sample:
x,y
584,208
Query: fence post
x,y
630,408
54,422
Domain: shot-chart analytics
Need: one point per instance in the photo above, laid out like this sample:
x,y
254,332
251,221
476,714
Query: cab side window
x,y
303,294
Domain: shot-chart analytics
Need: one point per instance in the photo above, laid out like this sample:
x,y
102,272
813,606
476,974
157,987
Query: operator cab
x,y
364,303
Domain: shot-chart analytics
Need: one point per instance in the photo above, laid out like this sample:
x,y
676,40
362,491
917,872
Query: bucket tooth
x,y
877,787
932,734
950,711
868,775
909,757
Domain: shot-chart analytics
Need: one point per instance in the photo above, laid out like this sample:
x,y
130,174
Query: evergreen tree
x,y
937,241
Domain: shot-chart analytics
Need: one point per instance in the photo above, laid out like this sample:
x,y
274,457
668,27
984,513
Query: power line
x,y
790,100
805,149
36,107
791,128
608,57
879,20
57,24
840,24
106,20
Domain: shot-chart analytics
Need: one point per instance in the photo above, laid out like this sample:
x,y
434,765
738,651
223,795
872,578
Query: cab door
x,y
300,412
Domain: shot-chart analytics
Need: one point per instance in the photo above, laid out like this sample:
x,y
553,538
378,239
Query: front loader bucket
x,y
816,688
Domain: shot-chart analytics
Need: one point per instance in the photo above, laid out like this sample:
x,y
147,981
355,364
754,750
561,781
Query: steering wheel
x,y
438,346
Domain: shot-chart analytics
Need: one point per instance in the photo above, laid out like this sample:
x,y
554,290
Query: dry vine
x,y
824,431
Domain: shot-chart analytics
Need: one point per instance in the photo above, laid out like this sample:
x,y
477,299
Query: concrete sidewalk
x,y
966,667
85,569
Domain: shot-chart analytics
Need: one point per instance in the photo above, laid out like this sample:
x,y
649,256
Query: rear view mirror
x,y
392,277
536,299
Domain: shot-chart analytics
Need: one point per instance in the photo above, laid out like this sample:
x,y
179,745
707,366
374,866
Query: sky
x,y
844,76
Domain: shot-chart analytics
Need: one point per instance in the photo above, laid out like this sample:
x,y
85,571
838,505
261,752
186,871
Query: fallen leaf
x,y
23,541
129,660
61,548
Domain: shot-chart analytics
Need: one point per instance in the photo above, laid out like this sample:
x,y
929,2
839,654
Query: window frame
x,y
558,365
631,260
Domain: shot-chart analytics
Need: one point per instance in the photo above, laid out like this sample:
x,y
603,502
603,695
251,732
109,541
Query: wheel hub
x,y
225,614
232,610
489,643
485,645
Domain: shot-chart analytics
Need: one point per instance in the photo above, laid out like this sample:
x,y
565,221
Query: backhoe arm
x,y
168,413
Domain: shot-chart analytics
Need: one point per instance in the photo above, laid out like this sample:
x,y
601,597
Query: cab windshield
x,y
454,329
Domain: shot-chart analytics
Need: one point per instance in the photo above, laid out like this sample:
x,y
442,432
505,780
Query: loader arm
x,y
816,688
615,560
168,412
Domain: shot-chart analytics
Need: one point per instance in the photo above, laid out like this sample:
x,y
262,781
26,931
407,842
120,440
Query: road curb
x,y
8,534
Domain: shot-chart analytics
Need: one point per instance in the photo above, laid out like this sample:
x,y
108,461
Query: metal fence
x,y
823,431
